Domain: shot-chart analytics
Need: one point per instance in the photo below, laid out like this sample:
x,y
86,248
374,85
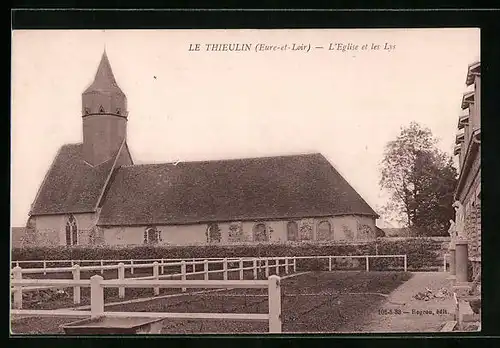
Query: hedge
x,y
421,253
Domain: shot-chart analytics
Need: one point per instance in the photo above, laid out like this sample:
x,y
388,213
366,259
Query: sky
x,y
187,105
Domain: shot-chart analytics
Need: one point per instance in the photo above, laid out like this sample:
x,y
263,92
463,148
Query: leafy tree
x,y
420,179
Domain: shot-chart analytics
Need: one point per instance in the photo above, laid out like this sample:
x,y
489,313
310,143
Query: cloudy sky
x,y
217,104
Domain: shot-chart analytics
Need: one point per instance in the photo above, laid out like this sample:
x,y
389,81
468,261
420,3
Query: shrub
x,y
422,253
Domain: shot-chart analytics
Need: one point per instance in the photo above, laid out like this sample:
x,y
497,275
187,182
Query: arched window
x,y
152,236
71,231
260,233
101,109
324,230
214,235
292,231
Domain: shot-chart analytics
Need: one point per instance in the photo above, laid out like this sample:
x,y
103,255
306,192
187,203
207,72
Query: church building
x,y
94,194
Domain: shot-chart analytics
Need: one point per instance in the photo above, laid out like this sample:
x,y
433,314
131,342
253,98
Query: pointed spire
x,y
104,79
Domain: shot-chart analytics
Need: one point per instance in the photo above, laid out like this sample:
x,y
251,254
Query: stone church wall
x,y
51,230
343,228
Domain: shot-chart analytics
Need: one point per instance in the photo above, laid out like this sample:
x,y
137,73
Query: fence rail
x,y
258,265
97,285
147,263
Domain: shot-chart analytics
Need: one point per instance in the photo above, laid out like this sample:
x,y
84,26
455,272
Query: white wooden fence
x,y
97,285
70,263
158,269
365,257
147,263
256,265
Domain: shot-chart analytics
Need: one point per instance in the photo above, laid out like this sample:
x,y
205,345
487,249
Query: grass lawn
x,y
313,302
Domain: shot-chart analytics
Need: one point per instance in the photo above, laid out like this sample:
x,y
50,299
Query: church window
x,y
324,230
260,233
214,235
292,231
152,236
71,231
101,109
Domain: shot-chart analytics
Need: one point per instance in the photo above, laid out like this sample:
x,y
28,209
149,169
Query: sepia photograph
x,y
245,181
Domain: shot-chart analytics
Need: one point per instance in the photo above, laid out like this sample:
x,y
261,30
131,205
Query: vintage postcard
x,y
245,181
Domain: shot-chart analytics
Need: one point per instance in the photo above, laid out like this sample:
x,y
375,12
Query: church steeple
x,y
104,78
104,113
104,96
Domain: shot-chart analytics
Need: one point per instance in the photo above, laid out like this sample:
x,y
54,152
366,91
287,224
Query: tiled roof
x,y
71,185
229,190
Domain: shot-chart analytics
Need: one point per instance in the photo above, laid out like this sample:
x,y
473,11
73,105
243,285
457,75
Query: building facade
x,y
468,191
94,194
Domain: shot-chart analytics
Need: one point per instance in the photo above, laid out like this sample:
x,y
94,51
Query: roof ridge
x,y
72,144
229,159
106,183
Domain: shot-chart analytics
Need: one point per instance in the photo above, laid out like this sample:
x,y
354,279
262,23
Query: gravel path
x,y
400,312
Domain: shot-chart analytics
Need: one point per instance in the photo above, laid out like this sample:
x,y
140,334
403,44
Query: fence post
x,y
241,268
254,268
224,268
406,264
205,269
102,265
444,263
96,297
367,264
131,266
294,264
183,272
156,277
121,277
266,267
162,266
76,289
18,290
277,266
286,264
274,294
330,263
44,267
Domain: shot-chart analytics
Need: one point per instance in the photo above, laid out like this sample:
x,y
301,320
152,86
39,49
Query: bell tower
x,y
104,115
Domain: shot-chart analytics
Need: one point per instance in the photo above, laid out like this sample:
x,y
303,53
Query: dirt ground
x,y
403,313
316,302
